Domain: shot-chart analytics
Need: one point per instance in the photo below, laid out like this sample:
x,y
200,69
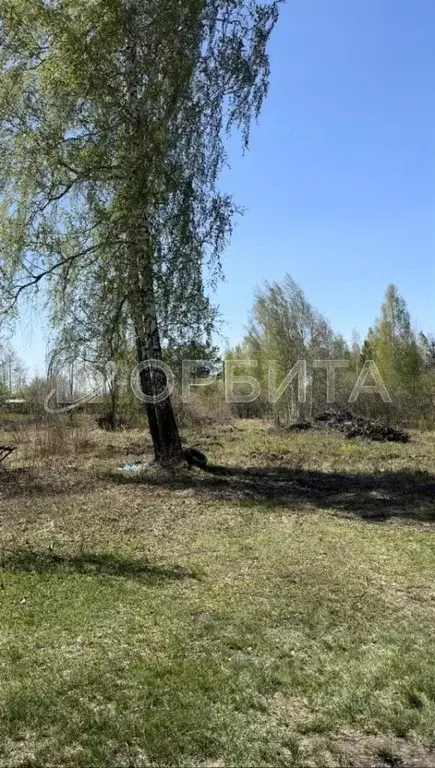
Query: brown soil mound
x,y
351,425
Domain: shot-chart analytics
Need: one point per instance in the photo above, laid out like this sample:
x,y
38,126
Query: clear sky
x,y
339,181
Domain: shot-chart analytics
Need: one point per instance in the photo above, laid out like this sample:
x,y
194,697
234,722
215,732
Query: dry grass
x,y
207,407
275,610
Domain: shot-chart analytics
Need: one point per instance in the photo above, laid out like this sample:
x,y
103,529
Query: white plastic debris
x,y
131,468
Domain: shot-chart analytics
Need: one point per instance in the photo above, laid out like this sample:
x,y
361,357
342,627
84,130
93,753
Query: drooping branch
x,y
124,130
35,279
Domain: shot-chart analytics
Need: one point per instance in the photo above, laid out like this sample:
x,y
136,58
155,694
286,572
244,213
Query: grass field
x,y
278,609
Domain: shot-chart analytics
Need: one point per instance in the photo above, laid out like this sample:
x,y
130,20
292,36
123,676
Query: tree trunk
x,y
161,418
114,401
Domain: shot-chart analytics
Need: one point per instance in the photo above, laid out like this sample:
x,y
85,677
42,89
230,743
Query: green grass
x,y
278,610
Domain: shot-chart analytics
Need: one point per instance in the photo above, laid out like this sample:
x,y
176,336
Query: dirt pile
x,y
351,425
360,426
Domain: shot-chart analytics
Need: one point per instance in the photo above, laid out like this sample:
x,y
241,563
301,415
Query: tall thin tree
x,y
112,124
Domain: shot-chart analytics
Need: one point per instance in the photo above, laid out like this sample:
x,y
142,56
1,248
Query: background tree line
x,y
285,327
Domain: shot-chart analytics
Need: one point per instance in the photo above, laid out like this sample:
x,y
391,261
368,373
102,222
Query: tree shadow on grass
x,y
92,564
25,482
375,497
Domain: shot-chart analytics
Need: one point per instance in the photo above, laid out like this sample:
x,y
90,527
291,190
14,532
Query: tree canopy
x,y
113,117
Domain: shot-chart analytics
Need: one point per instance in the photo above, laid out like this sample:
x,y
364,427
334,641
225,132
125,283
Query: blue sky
x,y
339,181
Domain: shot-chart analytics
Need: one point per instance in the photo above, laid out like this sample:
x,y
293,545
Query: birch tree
x,y
395,345
113,116
286,329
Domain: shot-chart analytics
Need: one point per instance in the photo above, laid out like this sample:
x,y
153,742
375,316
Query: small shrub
x,y
51,440
206,407
56,438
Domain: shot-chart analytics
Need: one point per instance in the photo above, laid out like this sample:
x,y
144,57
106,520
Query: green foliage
x,y
368,348
112,124
285,328
111,120
206,353
427,350
394,344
